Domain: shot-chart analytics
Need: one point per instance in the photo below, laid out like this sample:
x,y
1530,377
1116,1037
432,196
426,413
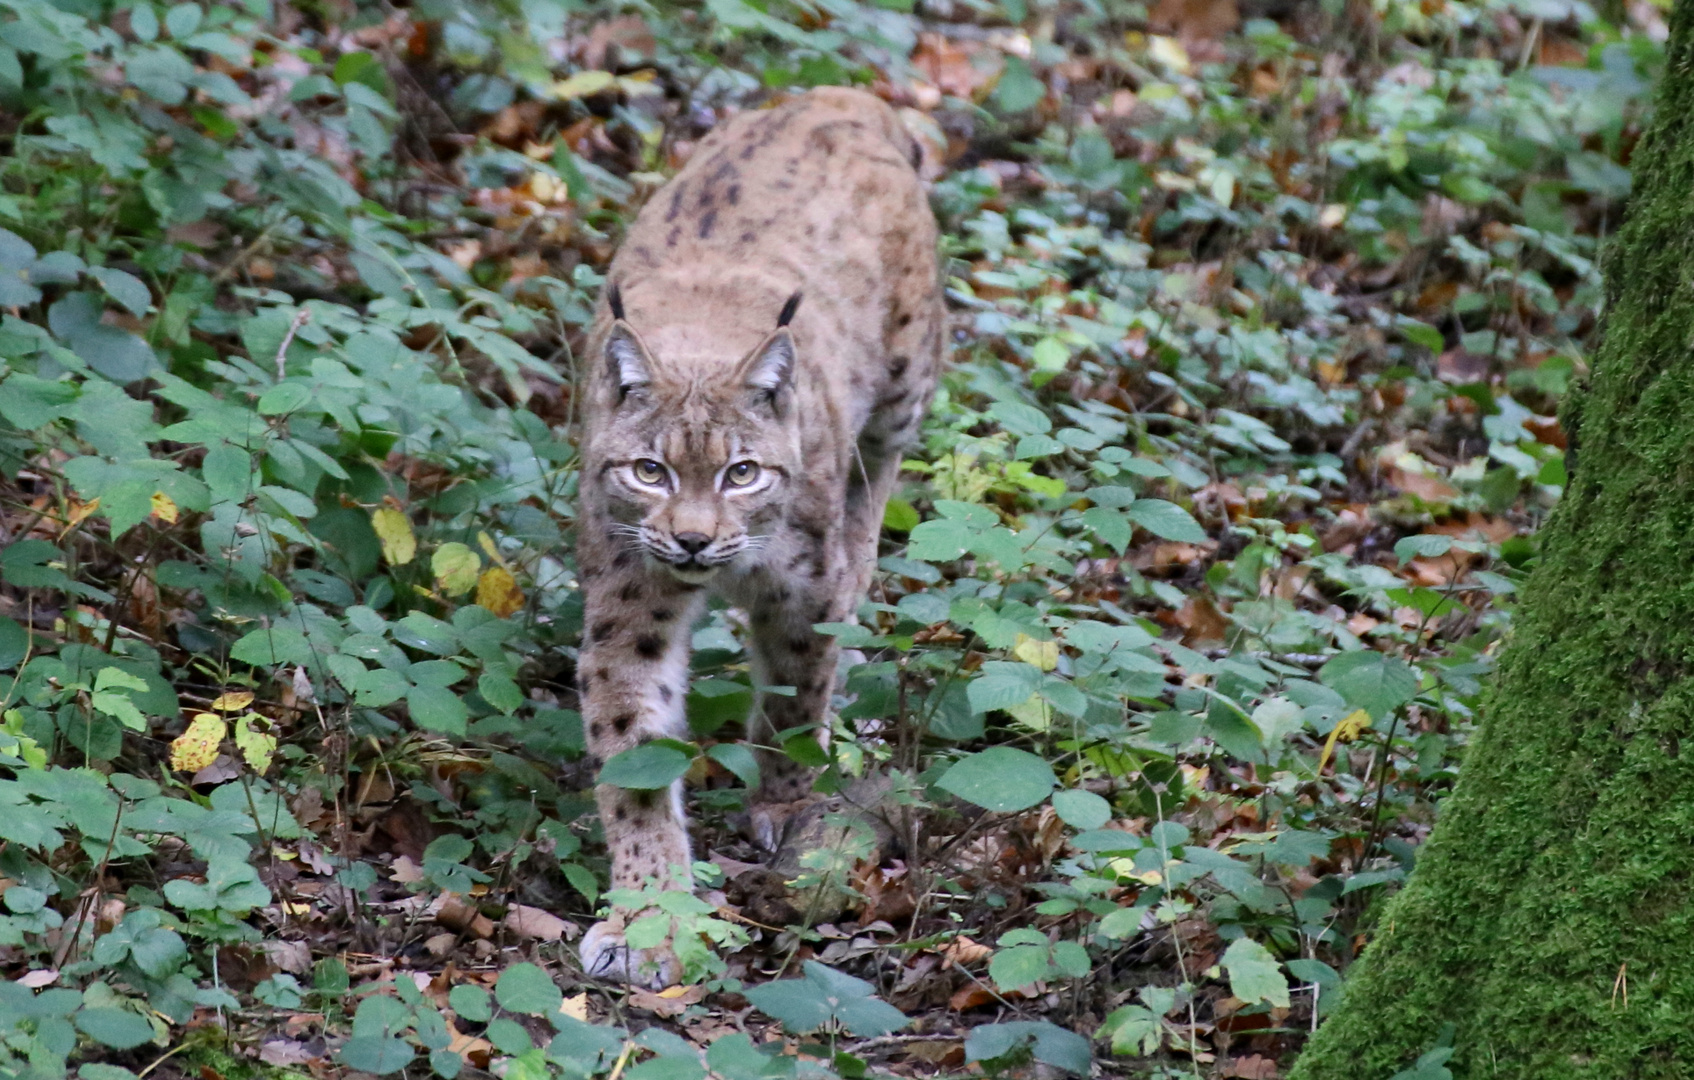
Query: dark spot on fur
x,y
822,615
603,630
621,814
630,592
710,219
733,194
665,693
917,156
904,320
602,673
650,646
625,557
635,850
800,646
676,203
663,614
620,724
782,594
897,366
673,236
749,237
594,730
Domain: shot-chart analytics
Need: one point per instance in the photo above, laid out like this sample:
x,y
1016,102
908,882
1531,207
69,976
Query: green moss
x,y
1561,874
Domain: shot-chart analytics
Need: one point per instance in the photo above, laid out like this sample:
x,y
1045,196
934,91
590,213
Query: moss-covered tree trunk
x,y
1551,916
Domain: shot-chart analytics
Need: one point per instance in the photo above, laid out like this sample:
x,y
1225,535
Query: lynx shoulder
x,y
766,348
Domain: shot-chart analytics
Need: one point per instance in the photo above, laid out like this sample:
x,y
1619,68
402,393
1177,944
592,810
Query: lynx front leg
x,y
632,674
788,652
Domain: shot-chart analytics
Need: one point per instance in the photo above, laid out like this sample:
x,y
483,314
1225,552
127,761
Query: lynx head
x,y
694,451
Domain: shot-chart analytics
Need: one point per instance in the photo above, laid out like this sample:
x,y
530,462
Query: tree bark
x,y
1550,919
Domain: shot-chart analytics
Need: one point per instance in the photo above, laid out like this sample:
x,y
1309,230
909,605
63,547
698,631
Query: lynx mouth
x,y
693,572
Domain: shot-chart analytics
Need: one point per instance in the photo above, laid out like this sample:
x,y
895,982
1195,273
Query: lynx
x,y
766,347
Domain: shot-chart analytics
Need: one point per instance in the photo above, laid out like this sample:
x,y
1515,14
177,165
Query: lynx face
x,y
695,470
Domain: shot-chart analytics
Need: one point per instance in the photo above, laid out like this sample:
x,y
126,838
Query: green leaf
x,y
1082,809
1368,680
1018,89
1001,778
119,1029
1020,966
284,398
646,767
499,691
1002,685
434,708
272,645
1166,520
471,1003
14,643
525,988
738,759
1047,1043
126,289
378,1055
1254,974
940,541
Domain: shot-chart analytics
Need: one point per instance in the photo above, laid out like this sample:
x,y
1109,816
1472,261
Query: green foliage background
x,y
1190,592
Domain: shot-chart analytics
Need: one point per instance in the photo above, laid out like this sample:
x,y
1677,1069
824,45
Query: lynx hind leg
x,y
632,675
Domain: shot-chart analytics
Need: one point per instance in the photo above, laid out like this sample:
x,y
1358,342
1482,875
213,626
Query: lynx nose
x,y
692,542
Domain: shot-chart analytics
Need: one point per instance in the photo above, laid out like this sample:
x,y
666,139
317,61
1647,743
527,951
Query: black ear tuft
x,y
614,297
627,361
788,309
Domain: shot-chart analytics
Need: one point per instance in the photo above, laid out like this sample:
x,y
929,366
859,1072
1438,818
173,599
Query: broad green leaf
x,y
1001,778
272,645
119,1029
525,988
1254,974
434,708
1371,681
647,767
1166,520
1082,809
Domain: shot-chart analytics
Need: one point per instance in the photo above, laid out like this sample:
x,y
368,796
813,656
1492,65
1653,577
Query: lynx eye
x,y
741,474
650,472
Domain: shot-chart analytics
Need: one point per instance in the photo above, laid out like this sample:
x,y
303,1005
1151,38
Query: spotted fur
x,y
777,305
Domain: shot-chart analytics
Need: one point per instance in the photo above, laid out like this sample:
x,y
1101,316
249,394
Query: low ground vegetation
x,y
1263,314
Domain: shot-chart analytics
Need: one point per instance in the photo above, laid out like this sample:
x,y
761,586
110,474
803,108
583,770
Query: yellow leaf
x,y
1169,53
197,747
1041,654
583,83
79,514
455,567
164,508
497,590
576,1006
394,530
1346,730
233,700
256,746
489,548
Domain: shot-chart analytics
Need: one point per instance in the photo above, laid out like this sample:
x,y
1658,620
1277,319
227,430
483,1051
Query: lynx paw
x,y
605,955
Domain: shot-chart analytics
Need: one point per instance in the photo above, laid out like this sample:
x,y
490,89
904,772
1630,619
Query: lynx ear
x,y
628,362
769,368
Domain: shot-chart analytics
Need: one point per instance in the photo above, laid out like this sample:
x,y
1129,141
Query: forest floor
x,y
1263,313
